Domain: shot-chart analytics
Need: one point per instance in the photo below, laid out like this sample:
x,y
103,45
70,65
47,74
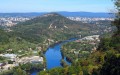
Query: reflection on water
x,y
53,56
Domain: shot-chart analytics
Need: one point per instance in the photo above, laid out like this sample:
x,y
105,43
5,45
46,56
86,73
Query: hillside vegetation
x,y
49,26
104,61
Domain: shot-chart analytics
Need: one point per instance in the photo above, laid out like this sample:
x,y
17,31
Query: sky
x,y
55,5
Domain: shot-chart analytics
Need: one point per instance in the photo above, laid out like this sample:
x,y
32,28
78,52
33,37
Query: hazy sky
x,y
55,5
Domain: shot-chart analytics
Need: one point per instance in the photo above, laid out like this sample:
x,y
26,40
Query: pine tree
x,y
115,41
116,22
111,65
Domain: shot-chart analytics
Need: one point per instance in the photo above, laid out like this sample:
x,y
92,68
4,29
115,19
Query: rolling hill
x,y
49,26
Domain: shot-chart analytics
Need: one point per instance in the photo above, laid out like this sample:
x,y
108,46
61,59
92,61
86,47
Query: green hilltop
x,y
49,26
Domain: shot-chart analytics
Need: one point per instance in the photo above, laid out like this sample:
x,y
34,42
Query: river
x,y
53,56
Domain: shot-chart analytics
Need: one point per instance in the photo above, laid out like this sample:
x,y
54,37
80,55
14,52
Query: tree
x,y
19,71
111,66
117,20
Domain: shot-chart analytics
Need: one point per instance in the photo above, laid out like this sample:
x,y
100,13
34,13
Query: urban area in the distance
x,y
60,43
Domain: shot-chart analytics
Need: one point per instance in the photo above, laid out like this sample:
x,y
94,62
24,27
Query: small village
x,y
81,47
14,60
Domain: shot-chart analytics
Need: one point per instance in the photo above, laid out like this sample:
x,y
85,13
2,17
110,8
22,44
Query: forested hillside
x,y
104,61
50,26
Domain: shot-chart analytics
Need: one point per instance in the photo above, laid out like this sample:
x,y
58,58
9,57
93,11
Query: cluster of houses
x,y
92,40
16,61
33,59
11,21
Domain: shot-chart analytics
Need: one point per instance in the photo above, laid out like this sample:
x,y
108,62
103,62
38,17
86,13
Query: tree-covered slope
x,y
4,37
104,61
52,26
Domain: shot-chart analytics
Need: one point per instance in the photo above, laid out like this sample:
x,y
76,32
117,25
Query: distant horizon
x,y
24,6
55,11
64,13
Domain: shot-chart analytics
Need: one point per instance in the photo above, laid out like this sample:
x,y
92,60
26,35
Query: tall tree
x,y
111,65
117,20
115,41
19,71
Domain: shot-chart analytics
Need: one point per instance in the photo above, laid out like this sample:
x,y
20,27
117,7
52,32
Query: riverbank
x,y
54,55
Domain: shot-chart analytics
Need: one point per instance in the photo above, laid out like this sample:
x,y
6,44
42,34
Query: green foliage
x,y
2,58
19,71
116,22
27,34
103,62
4,37
50,26
111,65
104,44
115,43
37,30
7,72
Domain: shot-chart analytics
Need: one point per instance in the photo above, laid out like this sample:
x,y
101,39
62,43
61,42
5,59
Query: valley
x,y
27,41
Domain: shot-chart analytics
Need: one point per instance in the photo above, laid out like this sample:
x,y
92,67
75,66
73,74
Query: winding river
x,y
53,56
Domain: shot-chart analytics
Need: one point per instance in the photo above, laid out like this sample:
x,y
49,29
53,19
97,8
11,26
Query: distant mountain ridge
x,y
64,13
87,14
